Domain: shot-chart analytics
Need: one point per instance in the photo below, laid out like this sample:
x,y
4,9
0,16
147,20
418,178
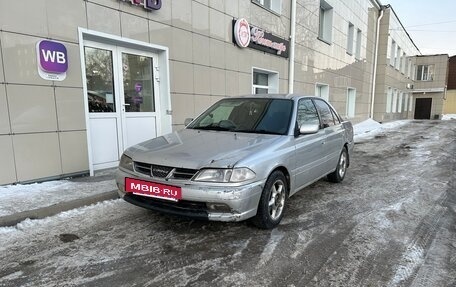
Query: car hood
x,y
195,149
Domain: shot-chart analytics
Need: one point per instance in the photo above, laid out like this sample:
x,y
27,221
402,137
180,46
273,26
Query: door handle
x,y
125,104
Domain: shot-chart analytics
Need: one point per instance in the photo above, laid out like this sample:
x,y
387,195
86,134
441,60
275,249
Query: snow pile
x,y
366,126
23,197
448,117
370,128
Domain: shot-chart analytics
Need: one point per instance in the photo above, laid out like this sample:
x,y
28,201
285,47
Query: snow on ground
x,y
370,128
448,117
23,197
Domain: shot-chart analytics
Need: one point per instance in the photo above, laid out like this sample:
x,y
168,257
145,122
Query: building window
x,y
394,105
265,82
273,5
410,103
325,25
389,99
399,104
406,99
404,63
397,59
358,44
322,91
392,52
425,73
351,102
350,38
409,68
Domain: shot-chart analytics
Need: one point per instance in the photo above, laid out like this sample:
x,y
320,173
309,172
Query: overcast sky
x,y
431,24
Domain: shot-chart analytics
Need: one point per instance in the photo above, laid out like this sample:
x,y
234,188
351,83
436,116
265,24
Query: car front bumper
x,y
199,200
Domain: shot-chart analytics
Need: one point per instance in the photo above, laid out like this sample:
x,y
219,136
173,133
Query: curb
x,y
40,213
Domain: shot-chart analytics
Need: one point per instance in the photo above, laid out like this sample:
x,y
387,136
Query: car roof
x,y
275,96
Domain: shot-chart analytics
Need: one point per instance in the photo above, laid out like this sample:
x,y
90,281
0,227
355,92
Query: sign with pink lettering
x,y
258,39
52,59
146,4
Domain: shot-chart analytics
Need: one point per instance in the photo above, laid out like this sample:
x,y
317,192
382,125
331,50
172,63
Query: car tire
x,y
339,174
272,202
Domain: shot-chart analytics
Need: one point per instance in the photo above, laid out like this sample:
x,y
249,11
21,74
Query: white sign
x,y
242,32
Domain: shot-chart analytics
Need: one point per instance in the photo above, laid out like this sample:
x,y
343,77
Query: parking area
x,y
391,222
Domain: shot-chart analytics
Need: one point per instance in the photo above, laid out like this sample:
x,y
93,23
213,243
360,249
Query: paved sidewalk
x,y
40,200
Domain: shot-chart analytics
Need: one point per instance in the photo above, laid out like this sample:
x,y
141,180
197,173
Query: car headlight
x,y
126,162
225,175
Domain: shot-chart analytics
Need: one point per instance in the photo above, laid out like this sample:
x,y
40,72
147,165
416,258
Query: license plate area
x,y
153,189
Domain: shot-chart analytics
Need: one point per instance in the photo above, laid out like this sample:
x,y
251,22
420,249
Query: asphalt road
x,y
392,222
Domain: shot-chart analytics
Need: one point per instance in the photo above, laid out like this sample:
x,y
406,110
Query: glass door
x,y
139,87
103,105
121,100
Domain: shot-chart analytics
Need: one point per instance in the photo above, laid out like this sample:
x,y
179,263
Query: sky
x,y
430,24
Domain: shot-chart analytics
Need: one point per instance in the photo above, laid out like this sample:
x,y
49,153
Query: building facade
x,y
449,106
395,70
430,86
80,81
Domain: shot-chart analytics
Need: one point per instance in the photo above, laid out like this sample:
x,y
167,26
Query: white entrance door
x,y
122,99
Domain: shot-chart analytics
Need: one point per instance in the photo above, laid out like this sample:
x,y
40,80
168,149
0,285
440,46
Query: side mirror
x,y
309,129
188,121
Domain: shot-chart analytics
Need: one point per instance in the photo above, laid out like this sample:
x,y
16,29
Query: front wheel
x,y
341,169
272,201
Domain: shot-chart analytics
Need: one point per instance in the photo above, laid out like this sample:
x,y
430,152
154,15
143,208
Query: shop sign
x,y
52,59
147,4
246,35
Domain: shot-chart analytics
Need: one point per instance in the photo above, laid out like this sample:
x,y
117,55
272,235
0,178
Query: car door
x,y
334,135
310,156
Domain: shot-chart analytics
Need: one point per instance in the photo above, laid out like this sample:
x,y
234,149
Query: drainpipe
x,y
374,79
292,47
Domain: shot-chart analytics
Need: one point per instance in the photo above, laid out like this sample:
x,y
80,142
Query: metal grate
x,y
161,171
143,168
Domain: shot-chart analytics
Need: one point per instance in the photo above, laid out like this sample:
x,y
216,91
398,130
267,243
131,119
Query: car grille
x,y
161,171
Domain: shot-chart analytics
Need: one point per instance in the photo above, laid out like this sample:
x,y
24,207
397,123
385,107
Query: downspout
x,y
374,78
292,47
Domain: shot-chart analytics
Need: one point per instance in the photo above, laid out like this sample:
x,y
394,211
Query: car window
x,y
307,113
335,116
250,115
324,110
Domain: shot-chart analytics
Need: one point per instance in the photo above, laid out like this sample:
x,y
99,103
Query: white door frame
x,y
163,107
123,114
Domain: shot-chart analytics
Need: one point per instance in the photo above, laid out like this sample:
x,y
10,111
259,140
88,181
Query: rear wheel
x,y
341,169
272,201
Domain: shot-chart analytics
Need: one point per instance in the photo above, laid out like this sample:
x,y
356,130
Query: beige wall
x,y
450,102
42,123
437,103
392,76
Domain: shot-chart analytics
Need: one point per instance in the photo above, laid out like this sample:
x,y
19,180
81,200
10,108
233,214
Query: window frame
x,y
325,22
275,6
350,107
318,89
350,38
273,81
359,40
429,74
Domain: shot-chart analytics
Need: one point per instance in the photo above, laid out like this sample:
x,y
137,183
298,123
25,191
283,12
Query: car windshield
x,y
249,115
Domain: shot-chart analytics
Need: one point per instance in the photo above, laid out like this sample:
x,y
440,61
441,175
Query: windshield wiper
x,y
212,128
267,132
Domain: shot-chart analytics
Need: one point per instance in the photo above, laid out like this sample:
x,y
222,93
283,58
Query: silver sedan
x,y
243,158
